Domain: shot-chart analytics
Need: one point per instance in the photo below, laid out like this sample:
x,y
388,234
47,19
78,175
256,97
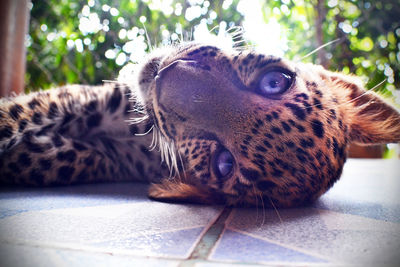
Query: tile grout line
x,y
207,242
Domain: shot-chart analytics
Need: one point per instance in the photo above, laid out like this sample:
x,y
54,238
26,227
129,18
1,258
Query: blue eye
x,y
223,163
274,82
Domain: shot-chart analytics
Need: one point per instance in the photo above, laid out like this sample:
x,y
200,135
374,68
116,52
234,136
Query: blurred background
x,y
88,41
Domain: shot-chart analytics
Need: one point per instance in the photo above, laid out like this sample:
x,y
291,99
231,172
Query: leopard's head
x,y
251,128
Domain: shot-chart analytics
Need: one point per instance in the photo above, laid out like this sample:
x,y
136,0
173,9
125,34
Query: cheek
x,y
294,162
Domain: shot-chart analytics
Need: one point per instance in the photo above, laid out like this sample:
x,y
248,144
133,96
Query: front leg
x,y
74,134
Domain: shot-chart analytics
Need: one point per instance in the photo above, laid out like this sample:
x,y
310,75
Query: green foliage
x,y
90,41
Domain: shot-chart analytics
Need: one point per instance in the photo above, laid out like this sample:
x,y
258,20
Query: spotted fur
x,y
196,99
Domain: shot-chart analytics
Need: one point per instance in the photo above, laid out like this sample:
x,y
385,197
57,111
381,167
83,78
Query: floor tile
x,y
239,247
335,237
369,188
388,212
222,264
18,200
171,244
134,224
27,256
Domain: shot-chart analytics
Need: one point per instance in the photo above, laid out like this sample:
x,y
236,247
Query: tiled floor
x,y
355,223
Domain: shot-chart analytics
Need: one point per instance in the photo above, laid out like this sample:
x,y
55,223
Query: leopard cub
x,y
234,127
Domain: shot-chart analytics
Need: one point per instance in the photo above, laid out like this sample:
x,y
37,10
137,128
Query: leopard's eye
x,y
274,82
223,164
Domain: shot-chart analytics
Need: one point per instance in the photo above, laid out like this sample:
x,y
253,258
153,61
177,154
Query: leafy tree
x,y
89,41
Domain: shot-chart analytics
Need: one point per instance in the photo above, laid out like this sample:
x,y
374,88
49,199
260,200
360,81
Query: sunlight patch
x,y
267,37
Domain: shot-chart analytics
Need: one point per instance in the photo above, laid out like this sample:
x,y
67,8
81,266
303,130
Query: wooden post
x,y
14,19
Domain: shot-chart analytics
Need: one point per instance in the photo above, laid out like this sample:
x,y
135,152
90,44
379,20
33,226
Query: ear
x,y
175,191
371,119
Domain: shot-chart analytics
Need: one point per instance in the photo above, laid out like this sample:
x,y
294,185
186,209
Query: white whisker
x,y
146,133
319,48
151,48
113,81
256,197
276,210
153,140
137,120
168,154
183,165
365,93
351,100
263,209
